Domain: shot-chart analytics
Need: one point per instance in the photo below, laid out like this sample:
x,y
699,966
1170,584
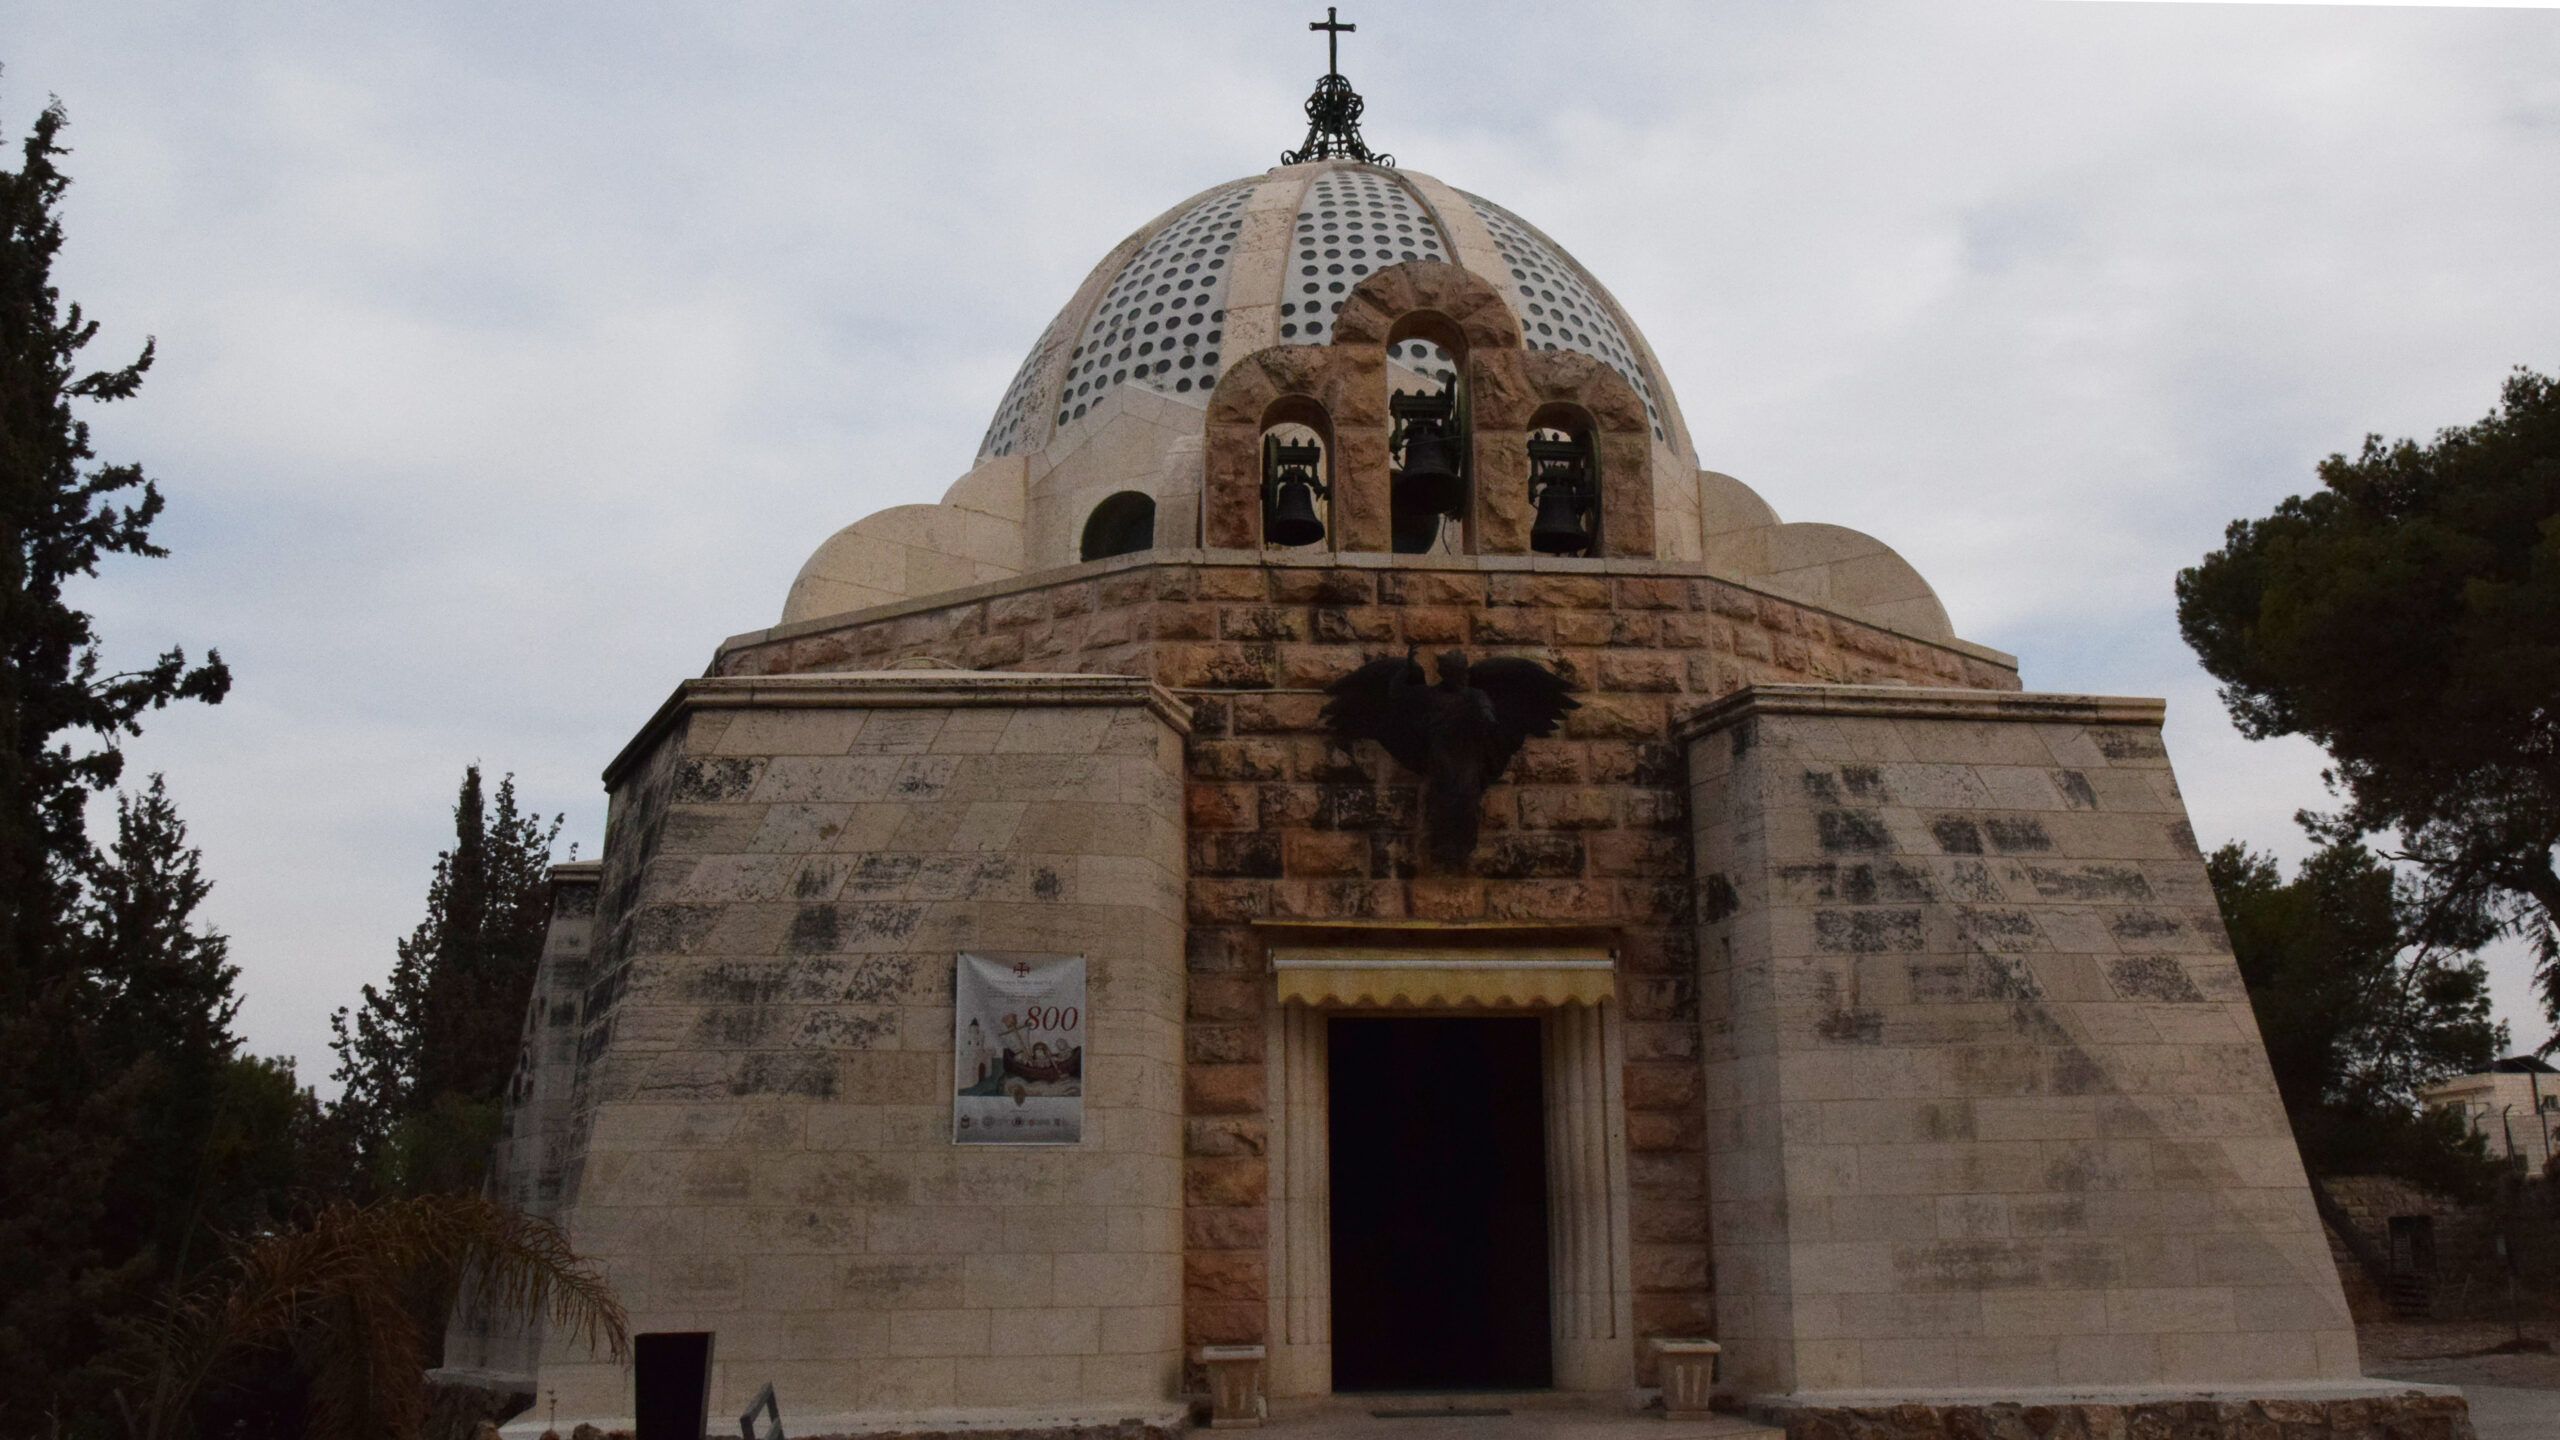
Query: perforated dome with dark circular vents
x,y
1268,261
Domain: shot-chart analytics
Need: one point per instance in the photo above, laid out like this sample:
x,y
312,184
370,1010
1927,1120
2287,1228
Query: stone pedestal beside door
x,y
1987,1108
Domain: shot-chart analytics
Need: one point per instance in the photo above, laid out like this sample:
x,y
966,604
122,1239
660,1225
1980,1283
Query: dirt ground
x,y
2513,1397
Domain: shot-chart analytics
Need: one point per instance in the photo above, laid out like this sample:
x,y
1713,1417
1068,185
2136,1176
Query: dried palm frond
x,y
337,1292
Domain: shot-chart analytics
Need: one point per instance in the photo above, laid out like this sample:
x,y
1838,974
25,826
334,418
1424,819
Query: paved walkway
x,y
1530,1418
2513,1397
2500,1412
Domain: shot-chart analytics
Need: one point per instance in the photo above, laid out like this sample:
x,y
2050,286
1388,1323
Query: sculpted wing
x,y
1375,702
1528,699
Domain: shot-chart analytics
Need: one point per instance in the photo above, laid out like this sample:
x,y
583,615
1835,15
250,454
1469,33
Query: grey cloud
x,y
512,358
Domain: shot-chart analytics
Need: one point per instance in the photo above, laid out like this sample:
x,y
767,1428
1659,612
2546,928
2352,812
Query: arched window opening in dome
x,y
1297,474
1564,482
1122,524
1426,351
1428,343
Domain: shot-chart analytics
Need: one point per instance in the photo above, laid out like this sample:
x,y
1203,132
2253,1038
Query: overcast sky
x,y
513,355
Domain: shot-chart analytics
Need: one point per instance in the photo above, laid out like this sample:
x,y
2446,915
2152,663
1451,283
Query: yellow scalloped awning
x,y
1345,977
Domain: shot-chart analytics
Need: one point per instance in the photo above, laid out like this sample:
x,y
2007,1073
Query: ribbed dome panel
x,y
1159,320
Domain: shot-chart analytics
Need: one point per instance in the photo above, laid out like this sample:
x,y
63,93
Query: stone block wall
x,y
1263,620
1591,828
540,1099
762,1139
1987,1108
531,1167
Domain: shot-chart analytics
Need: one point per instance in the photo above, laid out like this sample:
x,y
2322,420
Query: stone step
x,y
1529,1418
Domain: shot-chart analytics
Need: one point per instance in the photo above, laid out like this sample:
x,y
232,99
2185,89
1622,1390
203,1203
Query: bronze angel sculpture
x,y
1458,735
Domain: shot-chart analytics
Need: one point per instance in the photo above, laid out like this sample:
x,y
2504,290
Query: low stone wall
x,y
2412,1416
2468,1274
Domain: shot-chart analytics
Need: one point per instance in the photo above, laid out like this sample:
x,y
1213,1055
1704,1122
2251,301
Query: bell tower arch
x,y
1504,387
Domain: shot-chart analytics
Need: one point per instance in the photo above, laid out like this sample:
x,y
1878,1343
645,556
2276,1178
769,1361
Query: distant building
x,y
2514,1104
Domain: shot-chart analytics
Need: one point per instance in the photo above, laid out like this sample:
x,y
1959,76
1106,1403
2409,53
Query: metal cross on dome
x,y
1334,31
1333,112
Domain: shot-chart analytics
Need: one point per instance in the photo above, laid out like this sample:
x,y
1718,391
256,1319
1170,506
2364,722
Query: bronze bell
x,y
1560,528
1429,483
1289,490
1560,482
1414,532
1292,518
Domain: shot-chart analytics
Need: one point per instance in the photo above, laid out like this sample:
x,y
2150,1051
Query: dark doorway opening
x,y
1439,1178
671,1385
2413,1266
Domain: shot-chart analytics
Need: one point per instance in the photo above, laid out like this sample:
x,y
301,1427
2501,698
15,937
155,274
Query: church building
x,y
1056,975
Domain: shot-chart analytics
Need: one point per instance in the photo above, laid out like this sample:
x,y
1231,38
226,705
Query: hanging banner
x,y
1018,1060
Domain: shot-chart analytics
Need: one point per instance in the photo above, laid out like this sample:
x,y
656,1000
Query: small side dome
x,y
1122,524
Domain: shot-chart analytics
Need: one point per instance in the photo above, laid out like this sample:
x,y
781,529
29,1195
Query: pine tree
x,y
2364,996
424,1060
165,997
2406,616
69,1094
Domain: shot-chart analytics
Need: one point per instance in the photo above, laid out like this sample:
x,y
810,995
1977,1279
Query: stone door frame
x,y
1591,1304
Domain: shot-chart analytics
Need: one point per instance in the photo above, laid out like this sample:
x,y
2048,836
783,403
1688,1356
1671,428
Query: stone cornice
x,y
1919,702
897,689
1348,560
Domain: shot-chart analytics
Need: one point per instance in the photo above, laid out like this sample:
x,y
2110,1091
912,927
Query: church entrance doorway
x,y
1439,1181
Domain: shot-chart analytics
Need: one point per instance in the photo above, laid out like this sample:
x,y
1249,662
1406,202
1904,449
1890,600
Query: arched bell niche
x,y
1334,399
1437,327
1566,487
1296,453
1428,505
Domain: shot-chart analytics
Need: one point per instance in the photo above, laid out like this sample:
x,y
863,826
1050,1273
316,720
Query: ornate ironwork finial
x,y
1333,112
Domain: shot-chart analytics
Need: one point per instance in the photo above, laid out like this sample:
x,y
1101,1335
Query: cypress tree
x,y
424,1060
70,1092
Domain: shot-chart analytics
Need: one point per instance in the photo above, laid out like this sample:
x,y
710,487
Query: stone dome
x,y
1192,289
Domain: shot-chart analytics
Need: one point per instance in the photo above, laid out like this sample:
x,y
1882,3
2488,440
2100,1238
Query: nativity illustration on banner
x,y
1018,1064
